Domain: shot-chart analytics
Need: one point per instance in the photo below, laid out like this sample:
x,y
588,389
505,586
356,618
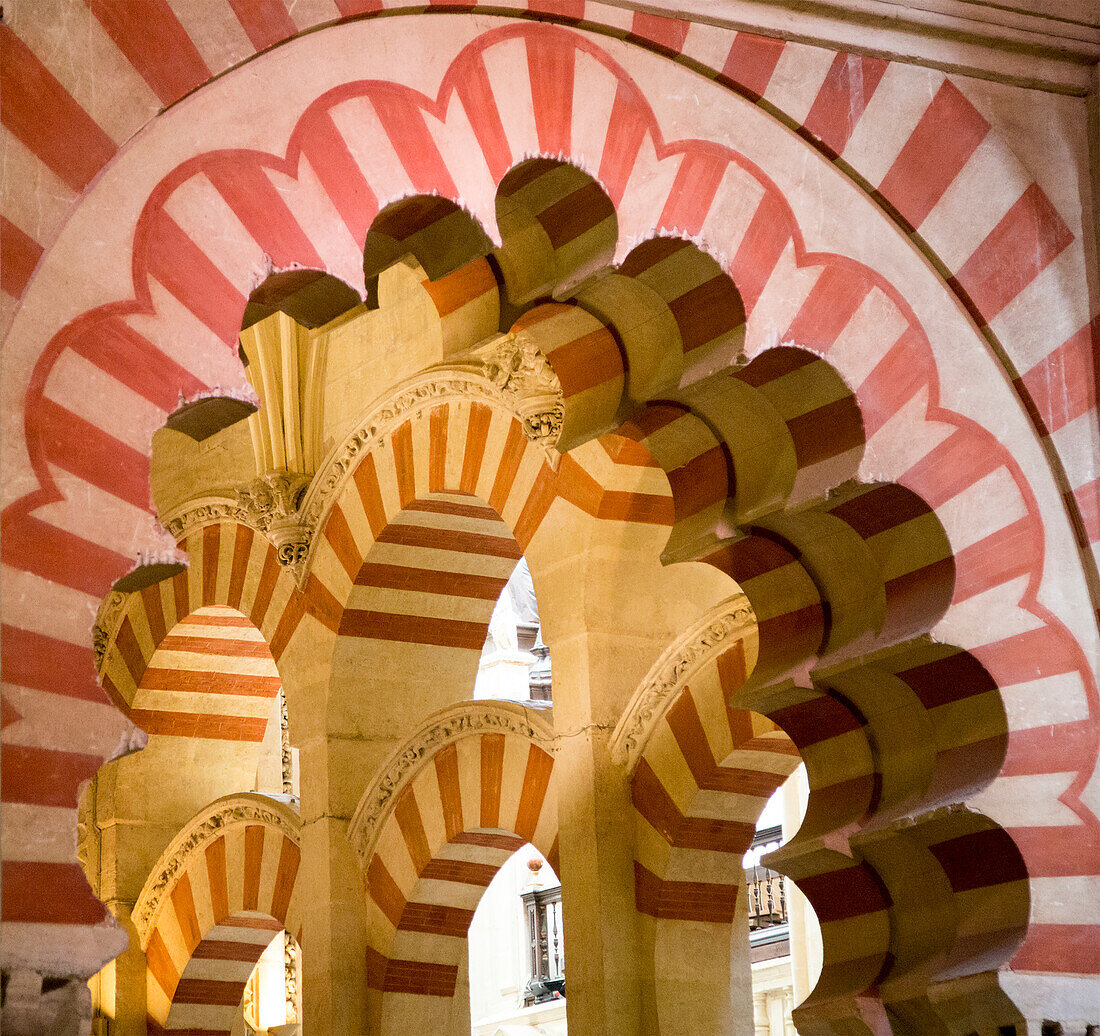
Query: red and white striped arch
x,y
481,788
218,895
207,212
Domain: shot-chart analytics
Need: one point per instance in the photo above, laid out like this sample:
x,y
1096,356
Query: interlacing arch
x,y
469,788
226,884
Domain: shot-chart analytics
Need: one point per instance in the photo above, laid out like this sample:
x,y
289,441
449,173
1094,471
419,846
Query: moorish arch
x,y
1021,642
222,890
468,789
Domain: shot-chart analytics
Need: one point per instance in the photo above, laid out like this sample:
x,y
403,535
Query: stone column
x,y
608,611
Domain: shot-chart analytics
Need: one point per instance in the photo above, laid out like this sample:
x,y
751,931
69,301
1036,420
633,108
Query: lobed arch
x,y
222,889
471,786
1017,553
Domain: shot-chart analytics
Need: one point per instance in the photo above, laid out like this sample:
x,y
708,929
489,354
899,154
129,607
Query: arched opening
x,y
517,951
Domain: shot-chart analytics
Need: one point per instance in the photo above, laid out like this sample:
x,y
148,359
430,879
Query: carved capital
x,y
107,621
468,719
526,381
203,829
708,638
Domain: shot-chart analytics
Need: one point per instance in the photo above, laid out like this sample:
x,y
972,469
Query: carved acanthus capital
x,y
708,638
527,383
271,500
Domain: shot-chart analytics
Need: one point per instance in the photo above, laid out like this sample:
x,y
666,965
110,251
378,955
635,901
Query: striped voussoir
x,y
223,894
454,821
195,655
1012,256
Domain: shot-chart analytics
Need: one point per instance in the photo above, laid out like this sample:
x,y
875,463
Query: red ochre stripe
x,y
828,308
205,682
255,201
751,62
1062,386
462,871
226,647
455,540
131,359
430,581
550,61
683,900
436,919
453,508
39,111
668,33
48,893
32,545
760,249
693,192
1088,502
625,132
265,21
44,776
1028,237
848,87
30,659
413,629
340,175
156,44
1061,948
19,254
476,94
946,136
200,724
405,126
420,977
189,274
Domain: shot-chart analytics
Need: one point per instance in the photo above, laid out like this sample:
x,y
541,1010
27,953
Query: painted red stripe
x,y
1062,948
33,660
347,8
1028,237
340,175
956,463
131,359
156,44
760,249
562,8
751,62
188,273
693,192
668,33
1062,386
1046,651
476,94
906,367
1007,554
79,447
256,202
1046,749
19,255
626,129
265,21
200,724
550,62
849,85
832,302
44,776
405,126
1088,502
946,136
32,545
70,900
39,111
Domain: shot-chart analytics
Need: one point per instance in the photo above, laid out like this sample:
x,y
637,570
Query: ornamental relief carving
x,y
466,720
193,839
703,642
507,372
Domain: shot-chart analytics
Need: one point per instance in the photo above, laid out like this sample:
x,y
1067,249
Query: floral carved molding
x,y
203,829
468,719
712,635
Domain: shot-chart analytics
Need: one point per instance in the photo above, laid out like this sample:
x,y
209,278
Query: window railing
x,y
767,898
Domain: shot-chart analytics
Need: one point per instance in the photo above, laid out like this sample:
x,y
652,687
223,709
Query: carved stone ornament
x,y
703,642
203,829
505,373
107,621
452,724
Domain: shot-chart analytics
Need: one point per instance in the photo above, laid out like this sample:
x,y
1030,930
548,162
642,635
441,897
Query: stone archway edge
x,y
444,728
209,824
